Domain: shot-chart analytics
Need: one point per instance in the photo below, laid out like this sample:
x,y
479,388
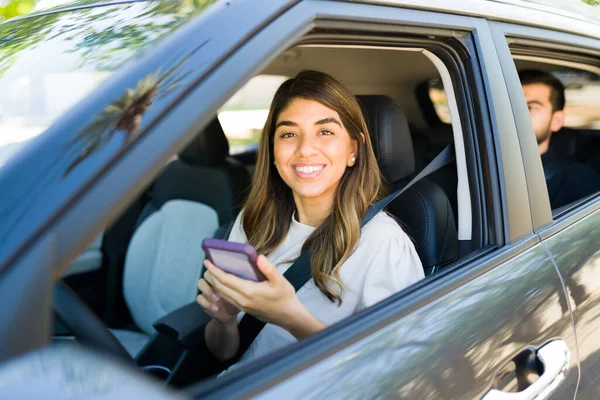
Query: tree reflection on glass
x,y
18,36
124,115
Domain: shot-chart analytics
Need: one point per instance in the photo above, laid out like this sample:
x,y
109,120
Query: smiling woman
x,y
316,176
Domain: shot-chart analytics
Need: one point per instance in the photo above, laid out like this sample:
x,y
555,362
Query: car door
x,y
482,327
571,235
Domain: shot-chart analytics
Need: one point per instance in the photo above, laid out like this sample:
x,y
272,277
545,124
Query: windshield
x,y
49,62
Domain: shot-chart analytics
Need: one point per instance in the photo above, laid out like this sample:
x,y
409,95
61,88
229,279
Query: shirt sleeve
x,y
394,266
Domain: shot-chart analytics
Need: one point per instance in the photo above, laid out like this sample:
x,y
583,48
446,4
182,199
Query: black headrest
x,y
210,147
390,136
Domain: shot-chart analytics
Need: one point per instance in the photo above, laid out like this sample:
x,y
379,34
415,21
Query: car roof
x,y
571,16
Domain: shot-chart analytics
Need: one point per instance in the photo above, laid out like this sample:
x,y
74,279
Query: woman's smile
x,y
308,171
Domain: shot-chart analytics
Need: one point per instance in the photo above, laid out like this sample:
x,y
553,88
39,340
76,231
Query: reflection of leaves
x,y
104,36
104,45
20,35
124,115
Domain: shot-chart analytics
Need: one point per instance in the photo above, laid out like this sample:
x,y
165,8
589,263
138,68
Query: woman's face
x,y
312,150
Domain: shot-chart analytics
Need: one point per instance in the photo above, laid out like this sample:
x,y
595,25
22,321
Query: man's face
x,y
544,120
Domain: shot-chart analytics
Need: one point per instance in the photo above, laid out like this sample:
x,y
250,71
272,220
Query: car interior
x,y
147,262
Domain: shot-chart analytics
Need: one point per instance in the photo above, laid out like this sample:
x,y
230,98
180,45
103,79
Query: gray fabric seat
x,y
163,262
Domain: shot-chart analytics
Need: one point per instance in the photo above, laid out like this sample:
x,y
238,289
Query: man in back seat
x,y
567,181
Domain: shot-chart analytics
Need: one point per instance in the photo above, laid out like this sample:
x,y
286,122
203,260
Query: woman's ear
x,y
354,151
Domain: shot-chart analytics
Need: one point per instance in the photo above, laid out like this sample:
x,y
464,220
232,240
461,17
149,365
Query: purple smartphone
x,y
238,259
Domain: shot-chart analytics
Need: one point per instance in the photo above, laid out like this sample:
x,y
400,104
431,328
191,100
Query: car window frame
x,y
544,222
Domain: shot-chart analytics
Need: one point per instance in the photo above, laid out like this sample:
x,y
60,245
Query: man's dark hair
x,y
557,89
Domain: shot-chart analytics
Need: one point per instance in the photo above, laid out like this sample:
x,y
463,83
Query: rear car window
x,y
582,95
50,62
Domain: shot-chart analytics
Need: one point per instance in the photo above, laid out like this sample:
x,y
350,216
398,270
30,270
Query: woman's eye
x,y
287,135
326,133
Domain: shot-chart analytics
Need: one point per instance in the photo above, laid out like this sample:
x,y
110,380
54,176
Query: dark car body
x,y
532,280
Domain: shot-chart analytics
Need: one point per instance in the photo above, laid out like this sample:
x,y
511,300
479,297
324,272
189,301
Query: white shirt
x,y
383,263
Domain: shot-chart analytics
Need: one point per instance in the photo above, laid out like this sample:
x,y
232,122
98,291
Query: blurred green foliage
x,y
15,8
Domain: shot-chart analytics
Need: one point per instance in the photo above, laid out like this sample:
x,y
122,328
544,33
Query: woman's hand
x,y
273,300
214,305
268,301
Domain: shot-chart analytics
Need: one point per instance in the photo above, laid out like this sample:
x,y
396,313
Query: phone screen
x,y
234,263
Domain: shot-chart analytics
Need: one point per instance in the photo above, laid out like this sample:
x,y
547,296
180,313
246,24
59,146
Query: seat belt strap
x,y
299,272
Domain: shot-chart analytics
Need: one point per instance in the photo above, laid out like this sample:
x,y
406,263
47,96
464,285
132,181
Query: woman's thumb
x,y
268,269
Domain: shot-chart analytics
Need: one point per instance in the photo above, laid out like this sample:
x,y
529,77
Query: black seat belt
x,y
299,272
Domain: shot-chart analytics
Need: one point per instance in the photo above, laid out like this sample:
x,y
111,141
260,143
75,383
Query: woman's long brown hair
x,y
269,207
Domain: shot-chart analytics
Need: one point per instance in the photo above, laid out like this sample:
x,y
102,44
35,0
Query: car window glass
x,y
243,116
79,49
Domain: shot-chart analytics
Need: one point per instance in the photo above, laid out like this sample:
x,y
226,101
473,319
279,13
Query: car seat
x,y
424,209
163,263
195,194
205,173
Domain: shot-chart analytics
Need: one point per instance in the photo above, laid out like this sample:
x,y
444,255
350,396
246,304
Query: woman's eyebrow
x,y
319,122
327,121
285,123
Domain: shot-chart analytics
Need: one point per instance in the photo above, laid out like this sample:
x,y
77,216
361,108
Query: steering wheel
x,y
85,325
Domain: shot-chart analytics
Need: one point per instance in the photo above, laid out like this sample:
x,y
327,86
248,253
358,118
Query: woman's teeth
x,y
309,170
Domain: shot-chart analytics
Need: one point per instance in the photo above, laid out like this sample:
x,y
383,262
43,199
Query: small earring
x,y
353,158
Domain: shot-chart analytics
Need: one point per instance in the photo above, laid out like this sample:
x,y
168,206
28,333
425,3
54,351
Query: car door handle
x,y
555,357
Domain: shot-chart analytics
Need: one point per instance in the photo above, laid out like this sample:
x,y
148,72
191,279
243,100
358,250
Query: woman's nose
x,y
306,146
